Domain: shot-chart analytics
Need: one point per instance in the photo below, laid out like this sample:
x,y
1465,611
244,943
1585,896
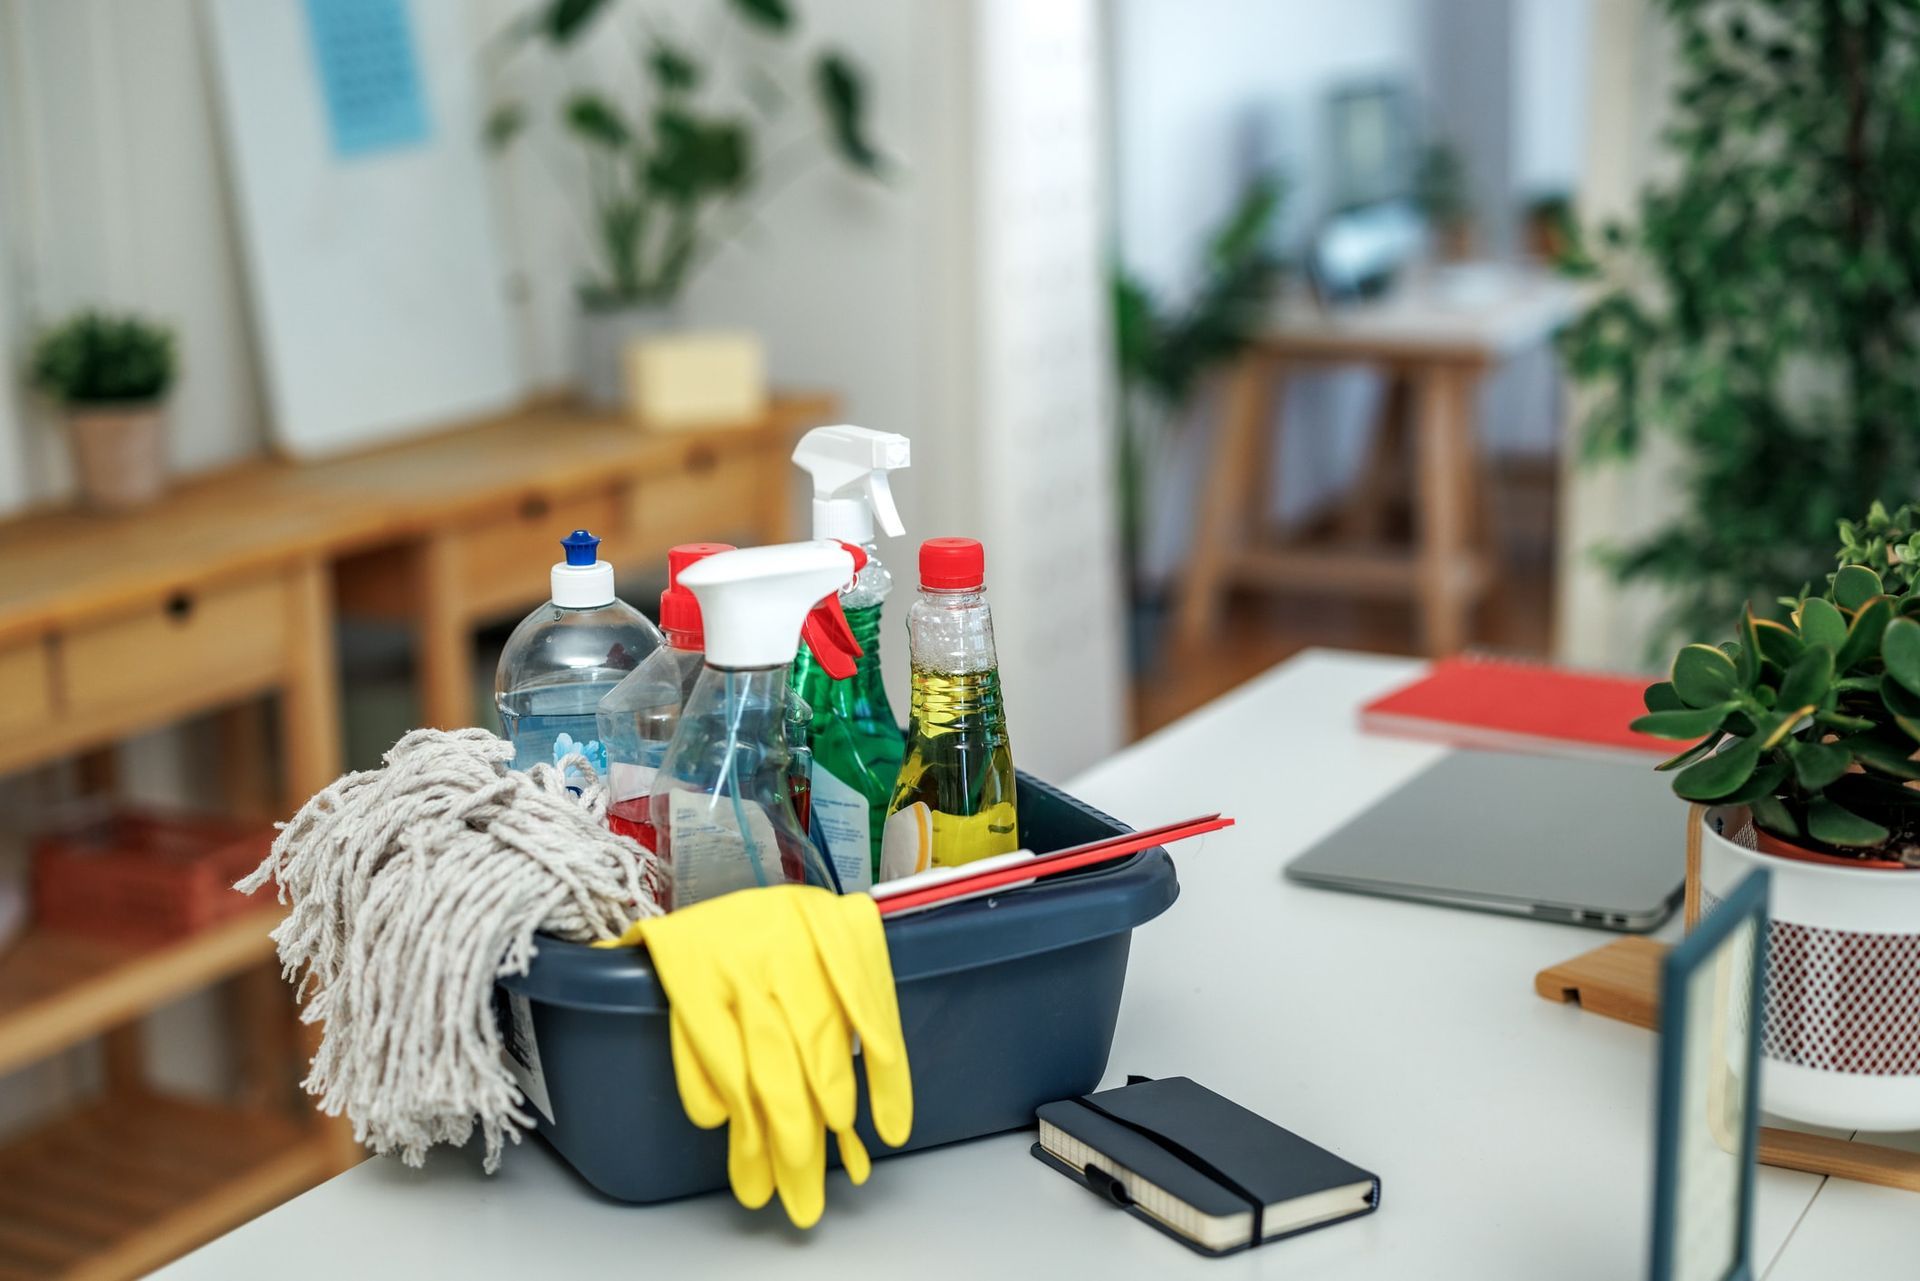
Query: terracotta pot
x,y
1841,1023
603,335
119,454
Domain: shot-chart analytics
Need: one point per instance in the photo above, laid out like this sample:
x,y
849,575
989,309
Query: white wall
x,y
1599,623
118,198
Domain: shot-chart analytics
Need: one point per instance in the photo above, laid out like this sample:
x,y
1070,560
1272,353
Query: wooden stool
x,y
1434,354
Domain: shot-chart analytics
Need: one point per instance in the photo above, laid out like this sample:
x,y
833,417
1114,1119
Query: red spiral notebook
x,y
1512,705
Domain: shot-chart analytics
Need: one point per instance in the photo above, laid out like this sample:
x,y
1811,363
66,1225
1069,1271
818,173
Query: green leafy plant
x,y
1164,350
666,164
1765,310
97,358
1813,722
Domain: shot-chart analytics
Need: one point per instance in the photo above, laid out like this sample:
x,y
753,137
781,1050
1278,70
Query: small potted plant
x,y
110,376
675,164
1807,732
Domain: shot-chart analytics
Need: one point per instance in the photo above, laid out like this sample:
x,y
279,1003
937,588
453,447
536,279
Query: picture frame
x,y
1703,1137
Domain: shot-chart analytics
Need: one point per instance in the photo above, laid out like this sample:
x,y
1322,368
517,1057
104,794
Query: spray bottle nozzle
x,y
827,632
582,548
851,493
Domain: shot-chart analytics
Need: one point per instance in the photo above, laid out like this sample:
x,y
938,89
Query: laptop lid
x,y
1591,842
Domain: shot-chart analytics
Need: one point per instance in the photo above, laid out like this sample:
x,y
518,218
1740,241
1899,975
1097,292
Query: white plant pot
x,y
1841,1028
603,335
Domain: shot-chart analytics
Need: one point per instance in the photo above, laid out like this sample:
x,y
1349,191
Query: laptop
x,y
1580,841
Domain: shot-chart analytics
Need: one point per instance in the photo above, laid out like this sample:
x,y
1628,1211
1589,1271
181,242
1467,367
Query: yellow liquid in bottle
x,y
959,765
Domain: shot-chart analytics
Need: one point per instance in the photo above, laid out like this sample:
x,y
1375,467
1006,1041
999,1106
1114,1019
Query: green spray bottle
x,y
856,739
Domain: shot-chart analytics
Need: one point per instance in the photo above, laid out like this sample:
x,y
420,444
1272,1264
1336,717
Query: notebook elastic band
x,y
1193,1160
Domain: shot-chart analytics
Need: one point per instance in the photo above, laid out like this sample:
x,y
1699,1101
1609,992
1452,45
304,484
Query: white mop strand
x,y
413,887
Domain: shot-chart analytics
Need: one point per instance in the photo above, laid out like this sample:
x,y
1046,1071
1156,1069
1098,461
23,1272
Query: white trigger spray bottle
x,y
856,739
722,804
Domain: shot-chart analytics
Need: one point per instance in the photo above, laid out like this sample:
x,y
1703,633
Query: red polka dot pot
x,y
1841,1034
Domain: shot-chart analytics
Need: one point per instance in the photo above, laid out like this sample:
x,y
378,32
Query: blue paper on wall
x,y
369,75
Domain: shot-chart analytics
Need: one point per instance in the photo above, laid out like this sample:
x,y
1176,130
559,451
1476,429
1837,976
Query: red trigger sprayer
x,y
827,632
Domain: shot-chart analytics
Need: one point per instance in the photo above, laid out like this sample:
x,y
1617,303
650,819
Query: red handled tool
x,y
1070,859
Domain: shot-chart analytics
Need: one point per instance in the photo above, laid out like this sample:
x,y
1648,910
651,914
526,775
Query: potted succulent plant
x,y
1807,732
672,170
110,376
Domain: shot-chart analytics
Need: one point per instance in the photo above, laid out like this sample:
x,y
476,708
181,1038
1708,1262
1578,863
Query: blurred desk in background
x,y
463,527
1434,340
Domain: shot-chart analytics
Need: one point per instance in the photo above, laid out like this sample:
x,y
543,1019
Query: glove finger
x,y
749,1165
801,1174
777,1079
853,1155
821,1037
853,948
698,1002
703,1104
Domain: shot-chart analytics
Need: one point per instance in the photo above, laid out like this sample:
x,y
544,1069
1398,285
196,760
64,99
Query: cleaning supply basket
x,y
1007,1002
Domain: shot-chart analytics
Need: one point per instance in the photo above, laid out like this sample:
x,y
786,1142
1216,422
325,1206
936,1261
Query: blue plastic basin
x,y
1007,1002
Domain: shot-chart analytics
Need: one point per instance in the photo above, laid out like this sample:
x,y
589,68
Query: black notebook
x,y
1199,1167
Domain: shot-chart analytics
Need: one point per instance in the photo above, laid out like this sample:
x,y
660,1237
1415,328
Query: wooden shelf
x,y
59,989
124,1185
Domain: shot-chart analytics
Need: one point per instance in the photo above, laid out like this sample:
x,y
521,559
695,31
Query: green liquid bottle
x,y
855,737
954,800
857,746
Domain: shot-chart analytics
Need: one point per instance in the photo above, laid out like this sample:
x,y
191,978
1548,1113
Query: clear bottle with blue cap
x,y
566,655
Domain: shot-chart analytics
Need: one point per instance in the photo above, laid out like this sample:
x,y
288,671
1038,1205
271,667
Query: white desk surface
x,y
1513,1136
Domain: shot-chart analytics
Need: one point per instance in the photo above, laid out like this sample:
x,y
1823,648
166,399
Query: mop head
x,y
413,887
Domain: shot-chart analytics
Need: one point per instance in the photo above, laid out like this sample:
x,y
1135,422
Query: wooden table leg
x,y
773,515
246,782
443,643
1379,489
1236,482
310,704
1444,462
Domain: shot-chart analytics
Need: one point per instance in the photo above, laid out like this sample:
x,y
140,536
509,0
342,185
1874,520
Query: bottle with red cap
x,y
722,803
637,717
954,801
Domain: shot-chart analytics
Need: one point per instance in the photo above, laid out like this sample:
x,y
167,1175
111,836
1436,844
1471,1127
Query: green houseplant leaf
x,y
1778,644
1704,676
1829,821
595,120
1815,765
1772,813
769,15
565,20
1865,633
1807,681
1900,650
1687,724
1662,697
842,93
1855,585
1821,623
1720,774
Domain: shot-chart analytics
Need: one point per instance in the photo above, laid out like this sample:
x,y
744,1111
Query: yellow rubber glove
x,y
767,988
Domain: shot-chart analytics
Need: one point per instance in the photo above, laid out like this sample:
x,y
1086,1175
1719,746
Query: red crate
x,y
146,876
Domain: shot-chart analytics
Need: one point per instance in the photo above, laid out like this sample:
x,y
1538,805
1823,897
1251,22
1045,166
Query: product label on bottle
x,y
710,856
906,842
844,820
522,1054
628,779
